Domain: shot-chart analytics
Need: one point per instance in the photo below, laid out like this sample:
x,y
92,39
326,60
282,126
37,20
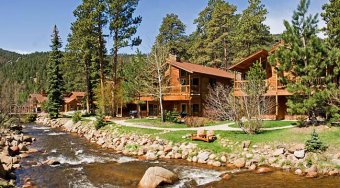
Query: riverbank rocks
x,y
262,170
244,154
240,163
298,172
154,176
51,162
203,157
299,154
278,152
246,144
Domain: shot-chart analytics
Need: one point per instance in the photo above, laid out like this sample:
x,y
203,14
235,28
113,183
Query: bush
x,y
76,116
172,116
30,118
196,121
314,144
99,121
301,121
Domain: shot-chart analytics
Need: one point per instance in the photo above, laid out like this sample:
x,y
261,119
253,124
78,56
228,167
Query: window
x,y
183,81
184,108
195,108
212,82
182,73
195,81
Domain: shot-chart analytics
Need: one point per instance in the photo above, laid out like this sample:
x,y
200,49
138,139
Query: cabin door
x,y
153,109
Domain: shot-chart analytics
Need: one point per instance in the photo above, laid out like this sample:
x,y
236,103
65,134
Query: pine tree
x,y
172,35
314,144
219,30
332,18
54,76
123,26
303,56
87,46
210,43
251,34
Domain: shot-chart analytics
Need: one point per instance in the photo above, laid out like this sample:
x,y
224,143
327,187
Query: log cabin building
x,y
187,88
72,102
275,89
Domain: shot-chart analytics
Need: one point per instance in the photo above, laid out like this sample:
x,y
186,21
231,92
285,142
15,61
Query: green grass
x,y
157,123
329,136
272,124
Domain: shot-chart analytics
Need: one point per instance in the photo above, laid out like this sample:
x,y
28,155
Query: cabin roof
x,y
39,97
194,68
73,96
247,62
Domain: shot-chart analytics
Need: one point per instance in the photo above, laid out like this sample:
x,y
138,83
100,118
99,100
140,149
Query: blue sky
x,y
26,25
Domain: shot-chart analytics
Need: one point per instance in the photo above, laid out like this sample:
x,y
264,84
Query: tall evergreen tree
x,y
303,56
172,35
54,76
87,44
219,30
210,43
251,33
123,26
332,18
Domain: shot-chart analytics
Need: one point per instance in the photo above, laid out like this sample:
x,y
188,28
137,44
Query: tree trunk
x,y
88,86
160,93
225,58
101,65
138,110
115,62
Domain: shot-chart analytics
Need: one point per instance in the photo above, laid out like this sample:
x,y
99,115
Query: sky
x,y
26,25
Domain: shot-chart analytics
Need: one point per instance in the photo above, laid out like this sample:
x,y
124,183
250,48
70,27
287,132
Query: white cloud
x,y
21,51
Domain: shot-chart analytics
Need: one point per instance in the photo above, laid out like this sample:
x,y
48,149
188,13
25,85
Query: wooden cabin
x,y
187,89
276,89
73,101
35,102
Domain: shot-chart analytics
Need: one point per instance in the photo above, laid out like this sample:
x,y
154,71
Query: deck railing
x,y
239,84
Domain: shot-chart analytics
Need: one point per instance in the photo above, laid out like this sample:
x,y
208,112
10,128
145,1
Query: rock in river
x,y
156,175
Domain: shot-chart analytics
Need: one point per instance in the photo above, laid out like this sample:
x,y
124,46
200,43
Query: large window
x,y
195,108
195,81
212,82
182,73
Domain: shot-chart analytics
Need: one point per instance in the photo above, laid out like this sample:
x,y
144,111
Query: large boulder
x,y
156,175
262,170
203,157
299,154
240,163
278,152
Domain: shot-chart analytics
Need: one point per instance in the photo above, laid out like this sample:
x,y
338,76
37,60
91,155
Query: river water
x,y
85,164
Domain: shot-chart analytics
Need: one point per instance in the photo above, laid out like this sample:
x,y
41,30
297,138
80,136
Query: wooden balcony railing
x,y
239,84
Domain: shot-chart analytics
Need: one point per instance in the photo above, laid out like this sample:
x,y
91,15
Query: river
x,y
85,164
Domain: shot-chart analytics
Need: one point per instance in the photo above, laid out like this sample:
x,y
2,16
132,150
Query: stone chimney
x,y
174,58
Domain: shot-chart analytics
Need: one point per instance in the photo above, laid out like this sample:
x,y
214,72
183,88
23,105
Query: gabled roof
x,y
247,62
39,97
194,68
73,96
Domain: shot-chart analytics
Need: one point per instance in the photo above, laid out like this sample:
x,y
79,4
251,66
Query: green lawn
x,y
157,123
286,136
272,124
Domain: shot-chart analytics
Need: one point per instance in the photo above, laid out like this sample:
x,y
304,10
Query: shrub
x,y
196,121
99,121
30,118
76,116
314,144
172,116
301,121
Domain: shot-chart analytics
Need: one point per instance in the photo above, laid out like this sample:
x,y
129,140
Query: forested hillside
x,y
26,73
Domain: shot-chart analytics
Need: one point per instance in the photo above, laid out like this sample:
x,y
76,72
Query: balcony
x,y
275,87
172,93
